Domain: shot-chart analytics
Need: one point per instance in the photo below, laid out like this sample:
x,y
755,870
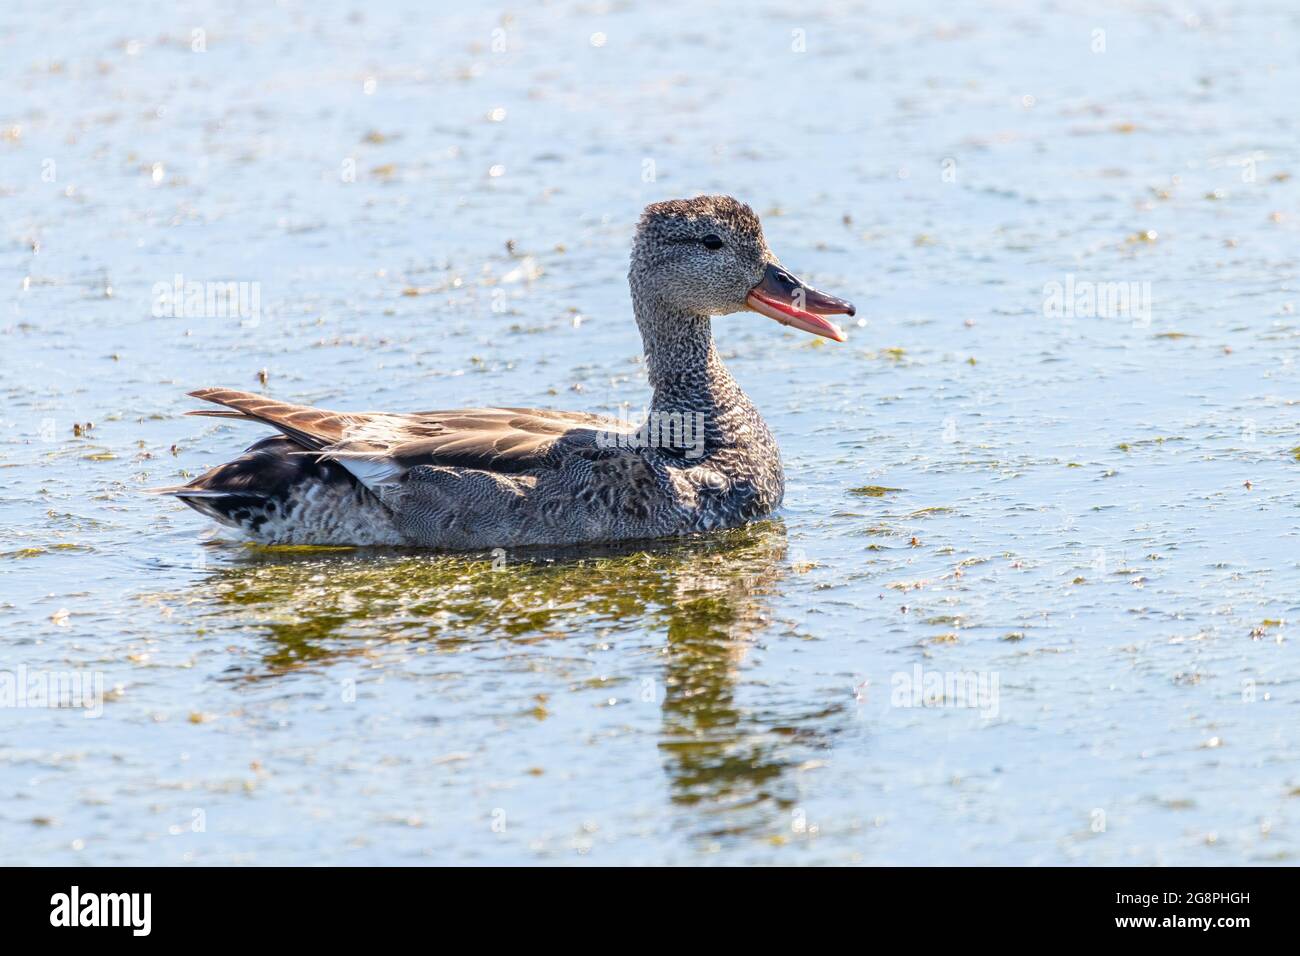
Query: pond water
x,y
1032,595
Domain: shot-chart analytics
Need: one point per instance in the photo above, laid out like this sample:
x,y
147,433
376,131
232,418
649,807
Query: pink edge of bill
x,y
787,314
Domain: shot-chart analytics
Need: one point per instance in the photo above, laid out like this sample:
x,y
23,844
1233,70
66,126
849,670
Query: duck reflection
x,y
700,602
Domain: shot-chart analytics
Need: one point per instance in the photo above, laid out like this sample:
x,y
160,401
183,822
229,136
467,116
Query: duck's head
x,y
707,256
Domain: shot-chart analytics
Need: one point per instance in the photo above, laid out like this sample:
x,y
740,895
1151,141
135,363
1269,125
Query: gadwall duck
x,y
477,478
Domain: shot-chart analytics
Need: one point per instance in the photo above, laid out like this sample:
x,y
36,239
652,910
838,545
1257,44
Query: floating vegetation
x,y
1126,446
927,512
38,551
951,620
873,491
940,639
311,602
906,585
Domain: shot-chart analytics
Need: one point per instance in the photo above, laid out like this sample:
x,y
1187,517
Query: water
x,y
1092,515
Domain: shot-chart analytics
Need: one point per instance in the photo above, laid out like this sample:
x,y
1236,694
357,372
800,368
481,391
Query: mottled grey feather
x,y
488,477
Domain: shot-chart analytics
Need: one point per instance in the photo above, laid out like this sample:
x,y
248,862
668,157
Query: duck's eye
x,y
712,241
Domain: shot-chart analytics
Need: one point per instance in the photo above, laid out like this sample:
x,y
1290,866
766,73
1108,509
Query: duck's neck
x,y
683,363
688,377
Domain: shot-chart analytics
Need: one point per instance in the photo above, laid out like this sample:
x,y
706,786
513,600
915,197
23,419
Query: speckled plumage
x,y
500,477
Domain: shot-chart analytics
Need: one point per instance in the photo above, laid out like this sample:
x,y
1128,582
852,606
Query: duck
x,y
496,477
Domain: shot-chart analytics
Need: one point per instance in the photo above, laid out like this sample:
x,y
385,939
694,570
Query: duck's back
x,y
468,478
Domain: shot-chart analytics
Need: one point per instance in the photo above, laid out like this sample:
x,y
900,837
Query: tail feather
x,y
266,482
218,413
185,491
310,427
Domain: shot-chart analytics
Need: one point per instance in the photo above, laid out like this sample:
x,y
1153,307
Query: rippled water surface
x,y
1092,515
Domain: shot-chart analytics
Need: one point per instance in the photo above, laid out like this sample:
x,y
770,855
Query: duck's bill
x,y
782,297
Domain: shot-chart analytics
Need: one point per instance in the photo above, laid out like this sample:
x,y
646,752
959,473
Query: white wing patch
x,y
377,472
361,451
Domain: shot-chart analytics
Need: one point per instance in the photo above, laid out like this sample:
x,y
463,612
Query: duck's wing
x,y
380,447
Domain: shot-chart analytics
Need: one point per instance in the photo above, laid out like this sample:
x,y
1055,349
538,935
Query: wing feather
x,y
379,447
